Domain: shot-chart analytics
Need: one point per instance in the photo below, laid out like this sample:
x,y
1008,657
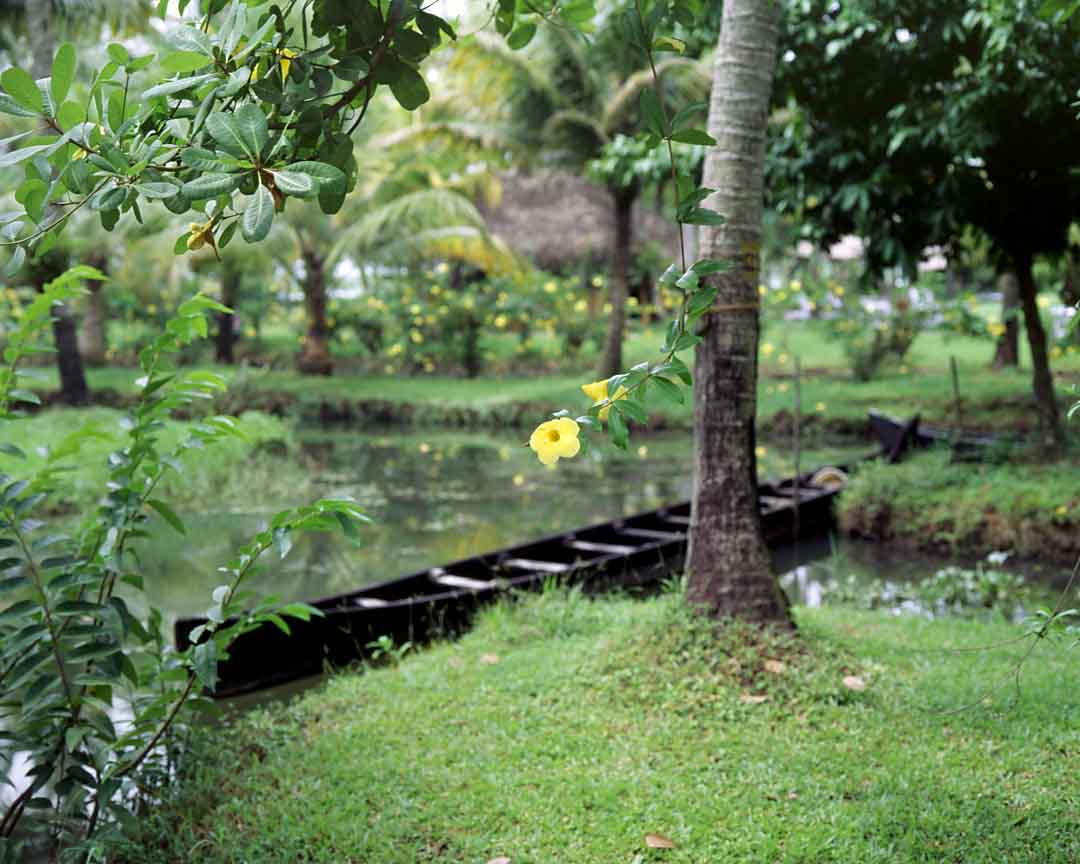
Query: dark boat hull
x,y
627,553
899,437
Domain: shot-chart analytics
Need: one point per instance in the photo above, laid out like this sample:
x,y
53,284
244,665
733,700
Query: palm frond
x,y
460,134
465,243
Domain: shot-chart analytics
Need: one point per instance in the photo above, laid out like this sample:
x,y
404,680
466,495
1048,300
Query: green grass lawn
x,y
567,730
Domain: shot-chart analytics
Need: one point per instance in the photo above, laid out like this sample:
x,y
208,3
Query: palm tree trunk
x,y
1041,380
225,338
1007,351
730,571
611,362
92,341
73,389
315,355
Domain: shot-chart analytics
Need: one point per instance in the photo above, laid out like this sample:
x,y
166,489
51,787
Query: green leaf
x,y
652,114
259,216
409,88
295,183
668,390
694,136
617,429
210,186
23,89
521,35
242,134
181,62
169,87
63,72
168,514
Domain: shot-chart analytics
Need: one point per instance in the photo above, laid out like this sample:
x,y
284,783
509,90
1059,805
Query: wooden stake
x,y
956,393
797,444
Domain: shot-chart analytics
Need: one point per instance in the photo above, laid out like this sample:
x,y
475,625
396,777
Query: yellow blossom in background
x,y
1055,352
555,439
598,281
416,336
502,297
468,303
504,453
767,348
443,267
415,309
581,306
285,59
607,308
783,358
500,321
820,406
760,452
995,329
519,479
795,286
429,366
388,369
642,451
396,349
782,388
425,447
444,310
436,290
598,392
838,290
1043,302
429,319
632,302
762,290
200,235
550,287
1062,510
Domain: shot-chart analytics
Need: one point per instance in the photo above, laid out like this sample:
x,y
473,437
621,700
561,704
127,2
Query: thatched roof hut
x,y
559,219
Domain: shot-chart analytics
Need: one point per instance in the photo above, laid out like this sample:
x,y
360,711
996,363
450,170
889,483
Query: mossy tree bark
x,y
1007,350
225,337
611,362
1042,381
730,570
315,354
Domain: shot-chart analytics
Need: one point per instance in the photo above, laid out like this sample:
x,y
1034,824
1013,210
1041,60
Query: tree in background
x,y
582,95
978,130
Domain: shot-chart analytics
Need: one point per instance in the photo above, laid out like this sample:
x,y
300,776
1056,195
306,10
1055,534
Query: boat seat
x,y
449,580
650,534
539,566
677,520
370,603
605,548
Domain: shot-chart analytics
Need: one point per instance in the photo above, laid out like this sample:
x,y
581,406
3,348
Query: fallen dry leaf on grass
x,y
774,666
489,659
502,859
854,682
658,841
455,662
750,699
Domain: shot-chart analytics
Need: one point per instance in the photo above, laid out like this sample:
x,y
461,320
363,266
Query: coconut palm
x,y
565,101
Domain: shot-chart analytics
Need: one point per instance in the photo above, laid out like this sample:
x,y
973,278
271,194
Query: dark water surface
x,y
433,498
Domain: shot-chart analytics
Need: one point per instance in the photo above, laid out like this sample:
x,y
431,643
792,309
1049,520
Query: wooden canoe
x,y
631,553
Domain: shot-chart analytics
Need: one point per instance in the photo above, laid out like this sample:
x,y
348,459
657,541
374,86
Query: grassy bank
x,y
930,502
567,730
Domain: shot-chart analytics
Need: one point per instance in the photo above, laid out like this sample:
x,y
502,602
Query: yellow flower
x,y
795,285
642,451
550,287
500,321
581,306
783,358
598,392
820,406
760,452
425,447
1043,302
598,281
838,291
555,439
995,328
1062,510
762,290
468,303
767,348
519,479
416,336
285,61
607,308
442,267
415,309
782,388
200,235
504,453
1055,352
